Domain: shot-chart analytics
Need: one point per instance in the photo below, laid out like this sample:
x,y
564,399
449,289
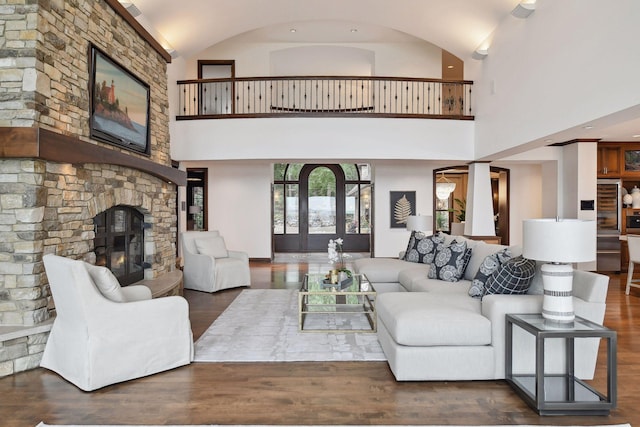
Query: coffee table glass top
x,y
314,283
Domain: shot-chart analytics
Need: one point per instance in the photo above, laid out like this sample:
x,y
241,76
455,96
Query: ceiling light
x,y
480,54
354,30
524,9
635,136
548,140
587,127
292,30
450,66
131,8
444,187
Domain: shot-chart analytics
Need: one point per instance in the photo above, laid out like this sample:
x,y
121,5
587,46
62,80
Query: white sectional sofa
x,y
432,329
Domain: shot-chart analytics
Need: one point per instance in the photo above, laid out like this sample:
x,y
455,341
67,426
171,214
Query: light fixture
x,y
635,136
131,8
419,223
524,9
480,53
354,30
559,242
292,30
587,127
444,187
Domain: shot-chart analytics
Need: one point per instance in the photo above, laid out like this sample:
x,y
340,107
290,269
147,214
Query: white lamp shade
x,y
561,241
419,223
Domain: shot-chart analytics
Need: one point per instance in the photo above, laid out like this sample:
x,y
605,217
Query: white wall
x,y
390,59
239,204
322,138
554,71
399,176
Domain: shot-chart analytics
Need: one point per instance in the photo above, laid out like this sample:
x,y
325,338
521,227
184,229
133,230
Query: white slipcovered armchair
x,y
104,334
209,266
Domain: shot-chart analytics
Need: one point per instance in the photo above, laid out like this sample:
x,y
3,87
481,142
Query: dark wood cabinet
x,y
609,160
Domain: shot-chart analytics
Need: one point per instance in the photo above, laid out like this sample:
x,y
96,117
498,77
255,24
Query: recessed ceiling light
x,y
292,30
548,140
587,127
354,30
636,135
449,66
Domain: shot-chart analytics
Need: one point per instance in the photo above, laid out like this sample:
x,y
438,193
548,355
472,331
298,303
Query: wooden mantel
x,y
17,142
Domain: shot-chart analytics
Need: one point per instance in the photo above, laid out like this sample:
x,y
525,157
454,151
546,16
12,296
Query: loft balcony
x,y
325,96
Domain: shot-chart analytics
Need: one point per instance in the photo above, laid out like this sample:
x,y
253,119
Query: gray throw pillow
x,y
422,247
512,277
490,264
450,261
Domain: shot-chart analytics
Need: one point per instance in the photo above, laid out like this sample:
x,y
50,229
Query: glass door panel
x,y
293,214
322,201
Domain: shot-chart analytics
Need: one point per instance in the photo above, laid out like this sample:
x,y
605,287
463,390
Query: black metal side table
x,y
561,394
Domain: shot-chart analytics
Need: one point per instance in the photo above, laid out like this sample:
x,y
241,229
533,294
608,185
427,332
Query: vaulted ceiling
x,y
458,26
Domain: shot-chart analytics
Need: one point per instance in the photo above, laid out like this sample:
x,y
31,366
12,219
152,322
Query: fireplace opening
x,y
119,243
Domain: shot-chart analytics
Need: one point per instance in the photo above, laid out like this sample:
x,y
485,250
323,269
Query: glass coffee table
x,y
353,300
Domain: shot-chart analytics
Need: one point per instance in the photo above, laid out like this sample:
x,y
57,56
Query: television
x,y
119,104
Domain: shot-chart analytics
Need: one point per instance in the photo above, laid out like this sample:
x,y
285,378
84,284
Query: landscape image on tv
x,y
120,105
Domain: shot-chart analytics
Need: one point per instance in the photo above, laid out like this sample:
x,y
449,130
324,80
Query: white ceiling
x,y
458,26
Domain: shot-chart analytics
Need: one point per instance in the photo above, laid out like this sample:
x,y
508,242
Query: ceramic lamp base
x,y
557,302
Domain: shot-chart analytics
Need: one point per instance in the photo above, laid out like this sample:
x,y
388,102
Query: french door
x,y
318,202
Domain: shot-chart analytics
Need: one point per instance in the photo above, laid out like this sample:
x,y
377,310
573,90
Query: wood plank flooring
x,y
306,393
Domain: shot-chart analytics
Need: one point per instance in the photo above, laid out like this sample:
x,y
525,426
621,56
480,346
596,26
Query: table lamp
x,y
559,242
419,223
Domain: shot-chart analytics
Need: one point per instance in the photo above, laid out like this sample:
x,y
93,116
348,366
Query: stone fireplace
x,y
55,179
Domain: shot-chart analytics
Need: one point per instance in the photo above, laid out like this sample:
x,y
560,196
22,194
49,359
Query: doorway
x,y
313,203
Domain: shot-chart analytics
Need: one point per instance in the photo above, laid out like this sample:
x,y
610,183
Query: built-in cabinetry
x,y
621,160
609,158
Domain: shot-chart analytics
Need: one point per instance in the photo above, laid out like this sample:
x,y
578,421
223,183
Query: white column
x,y
479,214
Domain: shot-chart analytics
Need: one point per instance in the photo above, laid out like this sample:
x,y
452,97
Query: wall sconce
x,y
524,9
480,53
444,187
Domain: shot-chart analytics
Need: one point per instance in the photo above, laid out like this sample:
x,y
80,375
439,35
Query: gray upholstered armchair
x,y
209,266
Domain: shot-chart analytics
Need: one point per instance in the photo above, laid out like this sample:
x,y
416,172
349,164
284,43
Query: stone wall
x,y
48,207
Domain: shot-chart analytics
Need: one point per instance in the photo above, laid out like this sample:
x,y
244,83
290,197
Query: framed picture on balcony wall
x,y
402,204
119,104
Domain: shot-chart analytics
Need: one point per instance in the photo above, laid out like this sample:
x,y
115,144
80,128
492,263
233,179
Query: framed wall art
x,y
119,104
402,205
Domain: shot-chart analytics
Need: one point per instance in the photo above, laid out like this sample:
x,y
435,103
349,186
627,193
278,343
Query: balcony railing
x,y
325,96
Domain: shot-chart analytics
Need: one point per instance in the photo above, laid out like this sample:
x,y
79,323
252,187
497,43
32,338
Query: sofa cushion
x,y
450,261
106,282
385,270
428,319
212,246
490,264
424,284
512,277
422,247
481,250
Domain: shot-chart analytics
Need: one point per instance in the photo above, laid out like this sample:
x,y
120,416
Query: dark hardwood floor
x,y
307,393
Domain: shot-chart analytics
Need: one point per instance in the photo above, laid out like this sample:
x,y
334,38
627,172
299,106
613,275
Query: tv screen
x,y
119,104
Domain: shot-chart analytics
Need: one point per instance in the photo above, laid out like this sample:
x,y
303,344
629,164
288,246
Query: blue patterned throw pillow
x,y
450,261
422,248
488,266
512,277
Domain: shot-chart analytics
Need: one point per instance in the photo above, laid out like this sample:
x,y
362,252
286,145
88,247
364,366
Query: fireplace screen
x,y
119,243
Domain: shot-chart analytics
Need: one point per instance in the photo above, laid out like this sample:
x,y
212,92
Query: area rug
x,y
216,425
261,325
